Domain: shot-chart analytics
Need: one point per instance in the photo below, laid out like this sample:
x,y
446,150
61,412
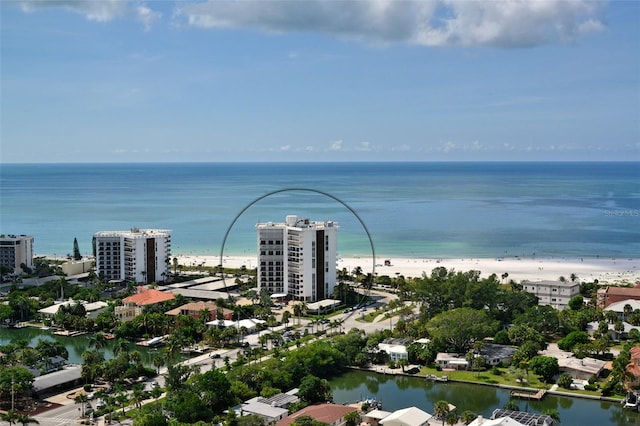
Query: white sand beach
x,y
605,270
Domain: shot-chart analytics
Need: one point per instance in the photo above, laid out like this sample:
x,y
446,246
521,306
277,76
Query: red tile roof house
x,y
633,368
195,309
609,295
331,414
132,306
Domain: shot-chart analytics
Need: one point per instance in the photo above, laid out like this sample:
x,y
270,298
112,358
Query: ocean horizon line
x,y
545,161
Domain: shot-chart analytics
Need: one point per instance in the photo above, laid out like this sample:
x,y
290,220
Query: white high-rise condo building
x,y
15,251
298,258
139,255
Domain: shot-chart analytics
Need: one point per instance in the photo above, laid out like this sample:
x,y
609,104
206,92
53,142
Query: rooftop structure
x,y
527,419
633,368
501,421
583,368
132,306
619,307
298,258
195,309
412,416
331,414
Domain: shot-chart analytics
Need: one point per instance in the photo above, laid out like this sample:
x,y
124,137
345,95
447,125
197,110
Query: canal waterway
x,y
396,392
75,345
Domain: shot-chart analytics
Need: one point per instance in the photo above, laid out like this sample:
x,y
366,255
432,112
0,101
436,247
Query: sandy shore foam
x,y
605,270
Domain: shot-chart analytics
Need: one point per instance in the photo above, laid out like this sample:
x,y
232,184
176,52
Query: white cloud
x,y
336,146
364,146
147,16
507,23
98,11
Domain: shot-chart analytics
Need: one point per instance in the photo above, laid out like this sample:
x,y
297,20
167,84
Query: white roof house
x,y
581,368
92,308
396,352
502,421
270,413
452,361
618,307
249,324
412,416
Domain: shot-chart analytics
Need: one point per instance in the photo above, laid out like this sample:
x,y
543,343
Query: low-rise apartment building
x,y
552,293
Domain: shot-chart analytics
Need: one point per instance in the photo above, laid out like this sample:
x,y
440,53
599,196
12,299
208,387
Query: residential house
x,y
269,413
250,324
373,417
500,421
607,296
195,309
618,307
270,409
614,334
331,414
449,361
395,348
633,368
497,354
93,309
412,416
524,418
581,369
132,306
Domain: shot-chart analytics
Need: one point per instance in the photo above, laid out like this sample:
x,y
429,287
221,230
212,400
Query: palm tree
x,y
82,400
135,357
627,311
441,409
158,362
452,418
138,395
97,341
10,416
120,346
24,419
467,417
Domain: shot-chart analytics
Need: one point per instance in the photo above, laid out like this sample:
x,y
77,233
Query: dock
x,y
434,378
528,395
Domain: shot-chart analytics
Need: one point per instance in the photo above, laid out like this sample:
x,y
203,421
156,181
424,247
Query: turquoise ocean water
x,y
447,210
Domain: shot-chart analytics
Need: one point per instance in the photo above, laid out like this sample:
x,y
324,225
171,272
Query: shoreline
x,y
605,270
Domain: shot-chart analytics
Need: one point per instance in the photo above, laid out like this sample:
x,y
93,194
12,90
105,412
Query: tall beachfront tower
x,y
15,251
298,258
139,255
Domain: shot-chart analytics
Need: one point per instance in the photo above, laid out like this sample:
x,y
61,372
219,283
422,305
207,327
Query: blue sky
x,y
116,81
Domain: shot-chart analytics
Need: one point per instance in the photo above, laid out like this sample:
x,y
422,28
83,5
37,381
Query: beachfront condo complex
x,y
16,251
138,255
297,258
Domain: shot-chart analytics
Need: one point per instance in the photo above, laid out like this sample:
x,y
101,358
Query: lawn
x,y
487,377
